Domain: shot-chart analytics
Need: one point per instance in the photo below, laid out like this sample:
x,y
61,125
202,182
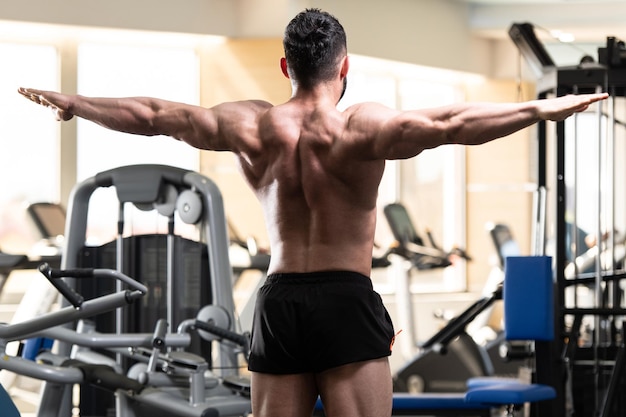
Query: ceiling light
x,y
565,37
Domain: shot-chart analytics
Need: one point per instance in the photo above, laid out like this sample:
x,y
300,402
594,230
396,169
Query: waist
x,y
319,277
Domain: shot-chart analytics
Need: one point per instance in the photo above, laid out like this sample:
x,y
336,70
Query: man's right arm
x,y
403,134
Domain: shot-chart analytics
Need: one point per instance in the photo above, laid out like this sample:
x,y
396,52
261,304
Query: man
x,y
319,329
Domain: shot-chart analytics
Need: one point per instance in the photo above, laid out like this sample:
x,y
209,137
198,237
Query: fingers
x,y
39,97
582,102
35,96
26,92
31,94
589,98
598,97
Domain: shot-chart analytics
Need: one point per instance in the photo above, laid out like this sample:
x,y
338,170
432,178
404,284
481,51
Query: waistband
x,y
319,277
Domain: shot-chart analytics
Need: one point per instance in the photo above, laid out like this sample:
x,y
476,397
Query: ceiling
x,y
588,21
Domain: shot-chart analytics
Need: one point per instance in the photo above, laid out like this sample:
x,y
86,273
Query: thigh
x,y
291,395
360,389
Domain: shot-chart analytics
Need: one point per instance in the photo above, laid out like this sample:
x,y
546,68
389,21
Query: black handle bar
x,y
55,277
66,291
80,308
242,340
440,340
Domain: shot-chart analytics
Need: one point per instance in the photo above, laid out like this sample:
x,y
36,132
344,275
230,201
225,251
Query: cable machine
x,y
581,164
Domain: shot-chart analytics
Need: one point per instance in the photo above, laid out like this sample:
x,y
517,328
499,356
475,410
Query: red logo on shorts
x,y
393,340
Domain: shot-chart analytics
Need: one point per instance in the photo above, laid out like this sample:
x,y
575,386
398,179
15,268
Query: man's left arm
x,y
203,128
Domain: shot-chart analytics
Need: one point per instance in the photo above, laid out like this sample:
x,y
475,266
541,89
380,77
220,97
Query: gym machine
x,y
190,290
49,220
156,388
583,171
451,357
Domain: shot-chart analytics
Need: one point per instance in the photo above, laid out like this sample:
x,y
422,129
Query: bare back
x,y
318,196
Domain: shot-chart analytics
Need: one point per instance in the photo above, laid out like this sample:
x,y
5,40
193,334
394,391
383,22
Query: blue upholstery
x,y
34,346
7,407
484,396
483,381
404,403
432,401
509,393
528,315
528,298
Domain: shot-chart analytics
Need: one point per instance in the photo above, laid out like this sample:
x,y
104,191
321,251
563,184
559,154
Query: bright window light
x,y
121,71
115,70
29,154
428,185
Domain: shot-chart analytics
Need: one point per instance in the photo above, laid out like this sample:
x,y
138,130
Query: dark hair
x,y
314,42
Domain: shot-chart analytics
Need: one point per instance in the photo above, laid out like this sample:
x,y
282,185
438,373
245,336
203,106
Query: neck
x,y
327,91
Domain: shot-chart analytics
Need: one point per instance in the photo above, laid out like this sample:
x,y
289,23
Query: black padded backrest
x,y
504,242
49,218
401,224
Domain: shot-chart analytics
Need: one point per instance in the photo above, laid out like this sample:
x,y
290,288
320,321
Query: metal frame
x,y
555,360
144,185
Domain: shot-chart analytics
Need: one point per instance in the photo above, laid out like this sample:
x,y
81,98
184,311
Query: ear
x,y
345,66
283,67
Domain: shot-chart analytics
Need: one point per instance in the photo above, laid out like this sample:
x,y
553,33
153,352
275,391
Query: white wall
x,y
193,16
433,33
427,32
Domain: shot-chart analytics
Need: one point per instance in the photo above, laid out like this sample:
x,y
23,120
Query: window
x,y
116,70
29,154
431,185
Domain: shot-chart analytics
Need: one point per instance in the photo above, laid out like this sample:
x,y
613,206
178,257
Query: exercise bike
x,y
451,356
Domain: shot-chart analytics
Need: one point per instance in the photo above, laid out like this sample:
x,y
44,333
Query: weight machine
x,y
191,364
581,164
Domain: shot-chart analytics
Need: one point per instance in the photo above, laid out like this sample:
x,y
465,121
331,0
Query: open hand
x,y
57,102
560,108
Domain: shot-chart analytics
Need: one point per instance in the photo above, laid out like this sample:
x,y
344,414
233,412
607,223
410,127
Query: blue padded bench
x,y
437,403
527,282
482,381
430,404
509,393
477,401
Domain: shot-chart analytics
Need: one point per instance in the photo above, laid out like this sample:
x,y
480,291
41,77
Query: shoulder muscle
x,y
230,126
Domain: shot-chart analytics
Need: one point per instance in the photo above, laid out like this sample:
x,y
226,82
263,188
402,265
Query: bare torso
x,y
314,169
318,195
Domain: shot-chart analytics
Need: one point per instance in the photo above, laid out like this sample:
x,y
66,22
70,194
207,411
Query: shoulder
x,y
237,118
368,115
365,121
367,108
242,109
228,126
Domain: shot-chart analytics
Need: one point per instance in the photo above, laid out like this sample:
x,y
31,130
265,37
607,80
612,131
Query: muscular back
x,y
318,194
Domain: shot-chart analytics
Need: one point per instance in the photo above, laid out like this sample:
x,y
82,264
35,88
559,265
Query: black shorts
x,y
311,322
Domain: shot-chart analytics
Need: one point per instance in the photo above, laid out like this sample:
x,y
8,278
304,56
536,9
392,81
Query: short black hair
x,y
314,42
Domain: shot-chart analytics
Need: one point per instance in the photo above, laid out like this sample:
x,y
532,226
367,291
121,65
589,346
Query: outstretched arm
x,y
200,127
405,134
